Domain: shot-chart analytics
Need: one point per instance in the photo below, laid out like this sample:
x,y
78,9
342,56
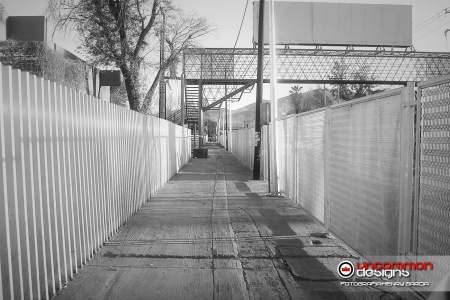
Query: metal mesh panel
x,y
310,163
315,64
434,196
244,145
282,153
364,174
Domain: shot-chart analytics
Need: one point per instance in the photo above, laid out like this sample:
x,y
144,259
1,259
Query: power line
x,y
242,22
432,19
431,31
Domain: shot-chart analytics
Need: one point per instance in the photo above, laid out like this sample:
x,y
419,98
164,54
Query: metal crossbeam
x,y
315,65
239,90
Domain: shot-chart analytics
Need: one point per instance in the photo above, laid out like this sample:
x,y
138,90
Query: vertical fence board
x,y
66,220
71,175
42,188
74,169
61,199
5,229
12,156
53,195
29,163
80,177
21,154
87,171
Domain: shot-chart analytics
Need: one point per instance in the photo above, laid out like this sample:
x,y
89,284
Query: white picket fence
x,y
73,170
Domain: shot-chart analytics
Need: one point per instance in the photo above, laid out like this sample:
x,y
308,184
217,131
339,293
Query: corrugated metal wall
x,y
282,152
74,169
346,165
310,145
433,161
364,185
244,149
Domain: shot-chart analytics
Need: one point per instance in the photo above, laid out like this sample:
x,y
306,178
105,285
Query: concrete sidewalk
x,y
212,233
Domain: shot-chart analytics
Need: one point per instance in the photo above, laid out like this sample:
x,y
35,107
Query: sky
x,y
226,17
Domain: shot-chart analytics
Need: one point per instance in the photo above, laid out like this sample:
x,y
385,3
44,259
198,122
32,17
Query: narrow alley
x,y
212,233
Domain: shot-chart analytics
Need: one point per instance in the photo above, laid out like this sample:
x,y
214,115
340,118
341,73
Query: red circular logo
x,y
346,269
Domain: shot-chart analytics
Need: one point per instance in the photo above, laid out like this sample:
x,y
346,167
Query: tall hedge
x,y
38,59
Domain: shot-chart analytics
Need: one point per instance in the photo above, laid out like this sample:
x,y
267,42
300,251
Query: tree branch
x,y
147,28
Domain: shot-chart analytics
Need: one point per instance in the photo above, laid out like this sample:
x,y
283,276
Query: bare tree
x,y
125,34
182,31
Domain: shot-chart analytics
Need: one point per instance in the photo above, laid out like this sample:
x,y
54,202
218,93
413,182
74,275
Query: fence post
x,y
326,164
406,169
418,131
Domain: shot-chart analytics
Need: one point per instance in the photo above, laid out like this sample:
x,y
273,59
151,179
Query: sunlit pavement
x,y
213,233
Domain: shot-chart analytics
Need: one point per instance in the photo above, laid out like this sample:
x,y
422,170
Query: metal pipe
x,y
273,99
183,108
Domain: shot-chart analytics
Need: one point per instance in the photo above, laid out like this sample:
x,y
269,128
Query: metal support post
x,y
218,127
273,99
230,135
183,108
259,92
226,124
200,115
406,170
195,136
223,128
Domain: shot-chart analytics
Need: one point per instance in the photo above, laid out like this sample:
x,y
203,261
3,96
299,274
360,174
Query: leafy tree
x,y
341,71
315,98
364,89
296,101
126,34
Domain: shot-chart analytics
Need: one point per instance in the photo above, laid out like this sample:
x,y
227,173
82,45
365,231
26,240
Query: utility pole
x,y
259,92
273,99
162,85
